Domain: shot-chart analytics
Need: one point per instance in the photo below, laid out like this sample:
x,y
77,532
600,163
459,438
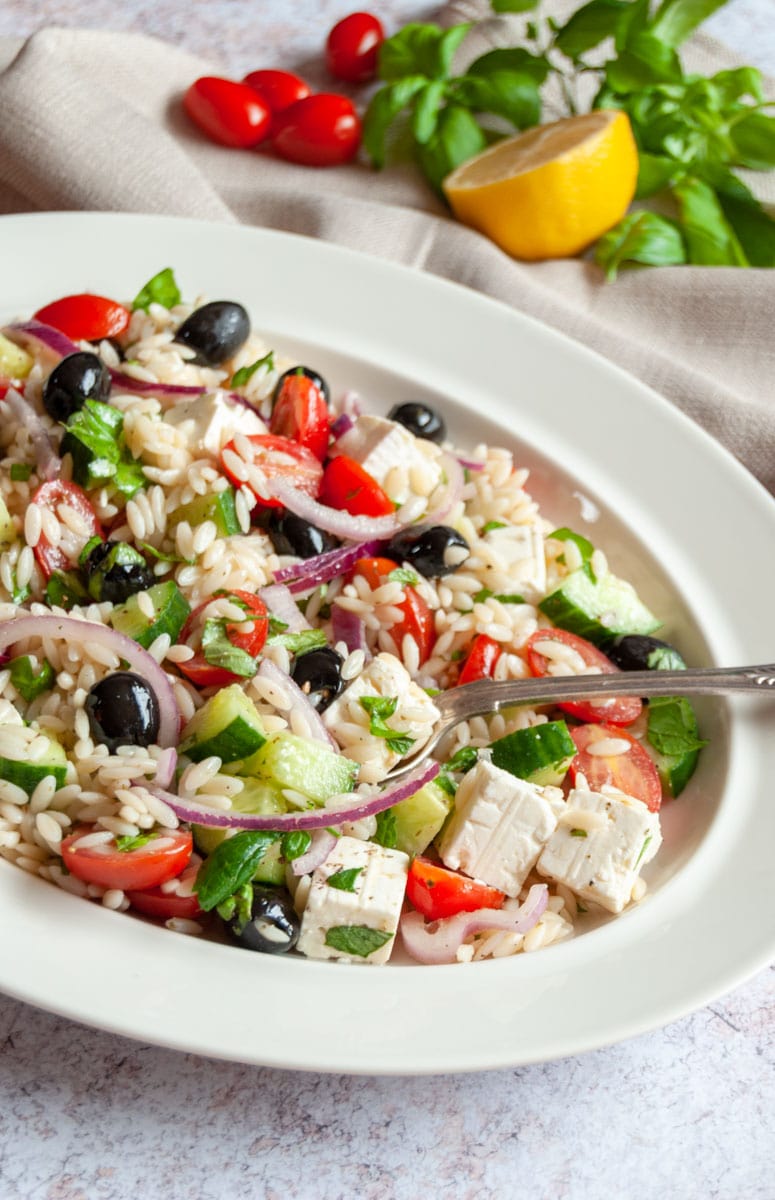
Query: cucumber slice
x,y
228,725
15,363
255,797
540,754
7,529
219,508
27,775
171,611
420,817
307,767
598,611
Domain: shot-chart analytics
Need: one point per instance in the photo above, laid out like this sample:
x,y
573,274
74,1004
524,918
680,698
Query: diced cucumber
x,y
255,797
171,611
674,740
15,363
227,725
7,529
27,775
597,611
307,767
420,817
540,754
218,507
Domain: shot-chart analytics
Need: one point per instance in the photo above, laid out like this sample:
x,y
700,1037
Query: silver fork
x,y
487,696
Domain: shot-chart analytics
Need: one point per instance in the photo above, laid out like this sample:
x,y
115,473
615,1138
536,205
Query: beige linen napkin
x,y
93,121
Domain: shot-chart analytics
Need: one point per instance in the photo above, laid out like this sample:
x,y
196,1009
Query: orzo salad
x,y
228,598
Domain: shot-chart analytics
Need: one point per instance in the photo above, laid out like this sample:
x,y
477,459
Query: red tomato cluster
x,y
278,108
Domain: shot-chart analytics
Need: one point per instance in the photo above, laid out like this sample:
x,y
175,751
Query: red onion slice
x,y
281,604
341,524
323,842
83,632
451,493
341,425
349,628
45,335
439,941
470,464
48,462
311,572
298,699
165,767
356,808
148,387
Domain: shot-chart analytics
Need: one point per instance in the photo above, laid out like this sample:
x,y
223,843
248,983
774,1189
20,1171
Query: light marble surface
x,y
686,1112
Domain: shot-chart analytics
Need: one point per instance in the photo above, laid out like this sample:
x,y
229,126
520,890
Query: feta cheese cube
x,y
209,421
520,550
373,906
380,445
498,828
600,845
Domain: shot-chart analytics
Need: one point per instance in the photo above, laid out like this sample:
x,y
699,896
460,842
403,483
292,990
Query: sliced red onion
x,y
323,842
45,335
451,493
143,387
83,632
311,572
281,604
440,941
341,524
165,767
299,699
351,404
357,807
341,425
48,462
349,628
470,464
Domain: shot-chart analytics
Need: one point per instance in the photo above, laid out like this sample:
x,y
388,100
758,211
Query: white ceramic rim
x,y
702,933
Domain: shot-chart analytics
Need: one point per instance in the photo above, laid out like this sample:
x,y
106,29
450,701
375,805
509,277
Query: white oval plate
x,y
678,516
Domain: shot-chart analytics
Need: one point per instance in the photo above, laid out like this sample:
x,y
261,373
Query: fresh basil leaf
x,y
386,834
631,22
738,82
384,107
403,575
295,844
344,880
457,137
94,438
399,743
646,60
299,643
426,109
31,680
63,590
379,707
589,26
231,865
676,19
126,843
665,658
359,940
420,49
462,760
710,239
161,289
512,58
641,237
585,547
220,652
753,227
508,94
655,172
244,374
488,528
20,472
449,43
513,6
753,137
672,726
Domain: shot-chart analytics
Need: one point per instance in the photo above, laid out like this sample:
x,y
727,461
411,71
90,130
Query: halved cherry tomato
x,y
482,657
318,131
418,619
280,457
278,89
49,496
352,47
620,710
348,487
633,771
206,674
5,383
437,892
232,114
85,317
301,413
153,902
146,867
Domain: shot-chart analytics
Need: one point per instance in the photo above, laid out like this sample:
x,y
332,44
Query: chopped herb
x,y
20,594
582,833
162,556
238,907
643,848
482,595
431,691
20,472
584,546
299,643
379,709
344,881
665,658
94,438
241,377
488,528
127,843
359,940
456,655
672,726
84,555
295,844
404,575
219,651
64,589
509,598
161,289
461,762
29,679
231,865
276,625
386,834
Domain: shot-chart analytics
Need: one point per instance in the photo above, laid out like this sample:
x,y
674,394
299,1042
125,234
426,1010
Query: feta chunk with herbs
x,y
519,550
499,827
600,845
208,422
354,903
380,445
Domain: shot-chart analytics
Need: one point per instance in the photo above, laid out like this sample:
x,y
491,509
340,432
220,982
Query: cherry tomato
x,y
633,772
280,457
146,867
417,620
482,657
437,892
5,383
319,131
621,710
49,496
352,47
278,89
230,113
348,487
206,674
85,317
154,902
301,414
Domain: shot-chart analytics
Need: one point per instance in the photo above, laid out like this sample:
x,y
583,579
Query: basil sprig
x,y
231,865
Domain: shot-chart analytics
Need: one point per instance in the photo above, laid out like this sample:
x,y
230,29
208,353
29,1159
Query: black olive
x,y
318,381
293,535
123,711
77,378
426,548
116,571
637,652
319,675
273,926
420,419
216,331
